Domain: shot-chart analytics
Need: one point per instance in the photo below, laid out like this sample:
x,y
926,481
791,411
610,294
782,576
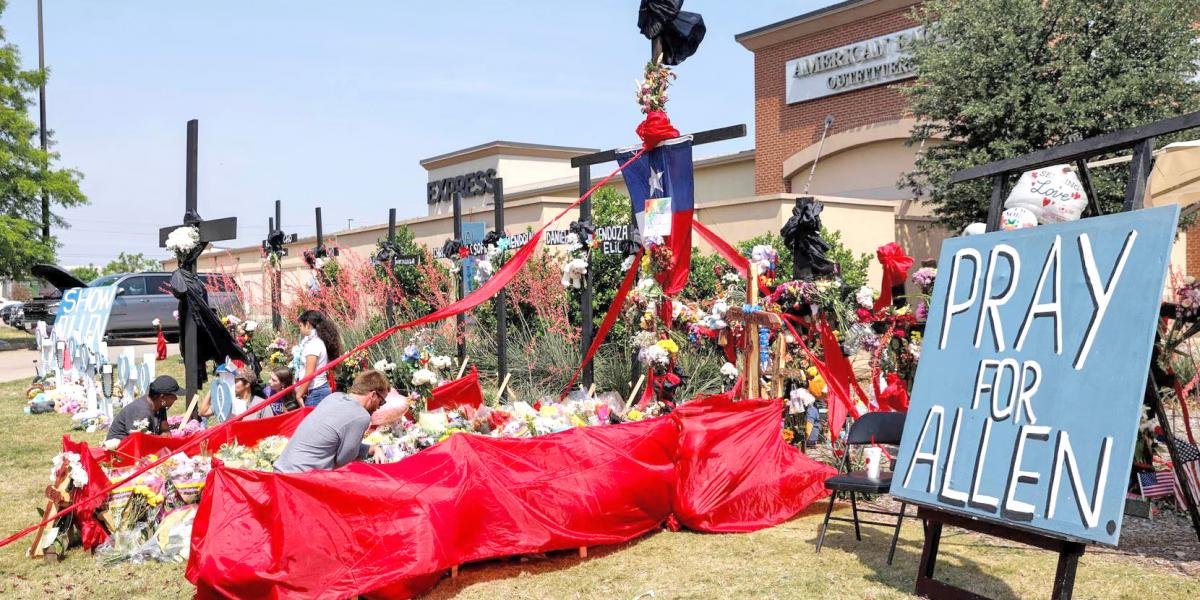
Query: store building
x,y
844,64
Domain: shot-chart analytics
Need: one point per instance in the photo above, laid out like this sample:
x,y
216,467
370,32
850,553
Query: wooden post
x,y
777,368
501,301
460,319
585,294
503,386
752,374
390,308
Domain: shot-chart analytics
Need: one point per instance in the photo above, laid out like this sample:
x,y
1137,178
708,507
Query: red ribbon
x,y
729,253
160,346
656,129
895,265
895,396
614,310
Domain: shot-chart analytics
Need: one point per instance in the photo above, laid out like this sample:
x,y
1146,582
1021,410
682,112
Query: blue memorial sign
x,y
83,315
1033,371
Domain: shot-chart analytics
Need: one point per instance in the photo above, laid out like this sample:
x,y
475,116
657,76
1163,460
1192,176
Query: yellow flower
x,y
904,310
635,415
669,346
576,421
812,371
817,386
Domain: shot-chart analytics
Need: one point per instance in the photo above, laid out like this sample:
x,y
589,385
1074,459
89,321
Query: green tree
x,y
26,170
131,263
86,274
1001,78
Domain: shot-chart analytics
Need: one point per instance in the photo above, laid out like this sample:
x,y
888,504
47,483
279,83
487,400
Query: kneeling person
x,y
331,436
148,413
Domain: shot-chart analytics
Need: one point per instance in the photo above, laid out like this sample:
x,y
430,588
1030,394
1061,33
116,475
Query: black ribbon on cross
x,y
492,238
213,340
311,256
386,251
452,249
678,31
583,230
802,234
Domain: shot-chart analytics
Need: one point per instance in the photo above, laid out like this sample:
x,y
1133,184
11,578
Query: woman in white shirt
x,y
319,343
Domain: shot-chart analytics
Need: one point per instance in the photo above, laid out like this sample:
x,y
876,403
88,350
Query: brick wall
x,y
1193,251
781,129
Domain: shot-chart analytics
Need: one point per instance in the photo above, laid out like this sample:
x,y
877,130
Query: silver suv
x,y
141,298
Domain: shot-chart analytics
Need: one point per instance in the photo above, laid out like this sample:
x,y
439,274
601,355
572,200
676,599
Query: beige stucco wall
x,y
864,224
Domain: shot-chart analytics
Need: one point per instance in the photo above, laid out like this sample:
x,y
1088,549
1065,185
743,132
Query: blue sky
x,y
333,104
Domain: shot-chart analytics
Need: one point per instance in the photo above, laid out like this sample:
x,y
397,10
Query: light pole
x,y
42,114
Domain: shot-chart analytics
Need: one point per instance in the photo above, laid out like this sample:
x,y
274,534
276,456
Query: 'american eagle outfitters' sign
x,y
1033,371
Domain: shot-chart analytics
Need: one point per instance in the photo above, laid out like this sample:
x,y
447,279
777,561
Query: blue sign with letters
x,y
83,315
1033,371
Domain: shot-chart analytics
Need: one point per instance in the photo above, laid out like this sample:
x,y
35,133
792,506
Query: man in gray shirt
x,y
331,435
147,413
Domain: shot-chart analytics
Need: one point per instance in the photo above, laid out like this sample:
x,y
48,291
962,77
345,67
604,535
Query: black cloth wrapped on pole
x,y
802,234
679,32
213,341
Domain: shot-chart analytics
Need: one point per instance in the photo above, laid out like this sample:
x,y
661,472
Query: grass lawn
x,y
774,563
12,338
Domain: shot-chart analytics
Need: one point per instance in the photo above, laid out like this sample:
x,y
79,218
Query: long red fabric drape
x,y
391,531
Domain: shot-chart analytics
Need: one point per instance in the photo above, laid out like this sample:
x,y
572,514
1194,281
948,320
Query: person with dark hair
x,y
319,343
244,381
331,435
147,413
281,379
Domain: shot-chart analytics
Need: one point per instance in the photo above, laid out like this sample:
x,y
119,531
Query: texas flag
x,y
661,187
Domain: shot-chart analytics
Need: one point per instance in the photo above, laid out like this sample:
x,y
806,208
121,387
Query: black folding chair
x,y
882,428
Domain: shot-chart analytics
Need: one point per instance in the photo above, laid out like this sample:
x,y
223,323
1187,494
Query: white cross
x,y
655,181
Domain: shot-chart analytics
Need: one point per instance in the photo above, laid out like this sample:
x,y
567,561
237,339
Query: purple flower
x,y
924,277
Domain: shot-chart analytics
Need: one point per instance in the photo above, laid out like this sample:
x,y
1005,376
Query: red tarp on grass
x,y
138,445
393,530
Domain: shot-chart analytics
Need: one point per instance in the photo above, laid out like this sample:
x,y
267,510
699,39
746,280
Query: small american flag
x,y
1189,459
1156,484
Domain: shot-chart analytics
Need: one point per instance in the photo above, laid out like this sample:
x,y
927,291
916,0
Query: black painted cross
x,y
275,246
214,230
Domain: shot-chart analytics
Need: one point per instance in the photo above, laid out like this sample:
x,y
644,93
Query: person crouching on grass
x,y
331,435
147,413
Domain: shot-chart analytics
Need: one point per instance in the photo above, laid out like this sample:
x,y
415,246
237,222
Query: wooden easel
x,y
928,587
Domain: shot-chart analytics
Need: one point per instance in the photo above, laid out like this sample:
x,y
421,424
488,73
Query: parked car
x,y
141,298
9,310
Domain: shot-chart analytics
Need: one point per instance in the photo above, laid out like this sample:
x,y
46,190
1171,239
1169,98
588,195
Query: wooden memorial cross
x,y
584,164
321,238
754,320
276,244
214,230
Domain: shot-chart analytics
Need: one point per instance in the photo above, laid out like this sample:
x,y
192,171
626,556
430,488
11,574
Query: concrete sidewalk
x,y
19,364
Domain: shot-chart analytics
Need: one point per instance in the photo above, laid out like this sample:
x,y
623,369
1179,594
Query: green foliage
x,y
704,282
409,278
131,263
86,274
1005,78
852,269
20,245
27,172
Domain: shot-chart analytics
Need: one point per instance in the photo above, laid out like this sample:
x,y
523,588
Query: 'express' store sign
x,y
471,184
